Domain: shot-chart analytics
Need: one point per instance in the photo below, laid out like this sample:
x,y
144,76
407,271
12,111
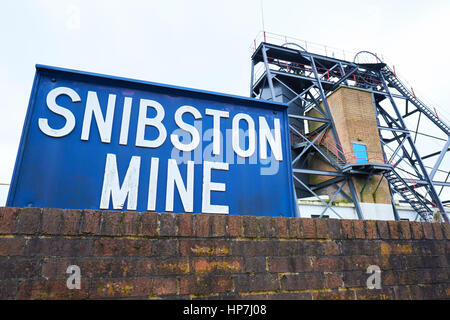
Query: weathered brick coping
x,y
151,255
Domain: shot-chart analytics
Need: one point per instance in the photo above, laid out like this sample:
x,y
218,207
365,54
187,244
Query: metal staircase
x,y
408,194
397,84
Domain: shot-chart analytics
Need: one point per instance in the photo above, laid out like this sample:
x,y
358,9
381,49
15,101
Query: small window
x,y
360,153
404,219
318,216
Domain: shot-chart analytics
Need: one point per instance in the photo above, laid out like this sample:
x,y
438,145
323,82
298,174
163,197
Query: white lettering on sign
x,y
125,189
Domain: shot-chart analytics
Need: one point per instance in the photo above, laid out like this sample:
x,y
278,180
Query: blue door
x,y
360,152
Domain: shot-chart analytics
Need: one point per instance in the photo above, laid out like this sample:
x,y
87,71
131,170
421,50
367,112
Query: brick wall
x,y
149,255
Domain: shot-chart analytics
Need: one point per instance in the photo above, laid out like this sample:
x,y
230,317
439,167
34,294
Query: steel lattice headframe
x,y
406,125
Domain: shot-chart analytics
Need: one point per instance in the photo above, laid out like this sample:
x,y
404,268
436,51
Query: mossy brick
x,y
265,227
121,288
334,295
164,286
254,264
327,263
333,280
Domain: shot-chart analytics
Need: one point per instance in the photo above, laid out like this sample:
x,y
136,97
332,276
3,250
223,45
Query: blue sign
x,y
92,141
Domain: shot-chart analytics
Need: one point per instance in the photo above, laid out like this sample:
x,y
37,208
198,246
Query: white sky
x,y
204,44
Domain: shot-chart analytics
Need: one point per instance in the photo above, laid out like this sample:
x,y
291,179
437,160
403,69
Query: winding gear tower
x,y
355,130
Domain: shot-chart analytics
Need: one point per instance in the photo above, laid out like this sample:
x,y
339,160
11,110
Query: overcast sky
x,y
204,44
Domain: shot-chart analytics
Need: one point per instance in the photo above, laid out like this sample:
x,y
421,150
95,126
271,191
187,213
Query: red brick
x,y
265,227
19,268
64,247
72,220
205,248
371,229
29,220
383,229
281,228
289,264
217,265
158,266
428,230
358,228
205,284
335,229
355,278
234,226
294,228
290,296
333,280
164,248
416,228
121,288
446,228
202,225
91,222
328,264
394,229
302,281
185,225
12,246
347,229
8,217
401,293
122,247
130,224
322,228
167,225
218,225
8,289
334,295
308,228
111,223
437,231
52,221
256,282
164,286
250,227
331,248
149,223
375,294
405,229
254,264
51,290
